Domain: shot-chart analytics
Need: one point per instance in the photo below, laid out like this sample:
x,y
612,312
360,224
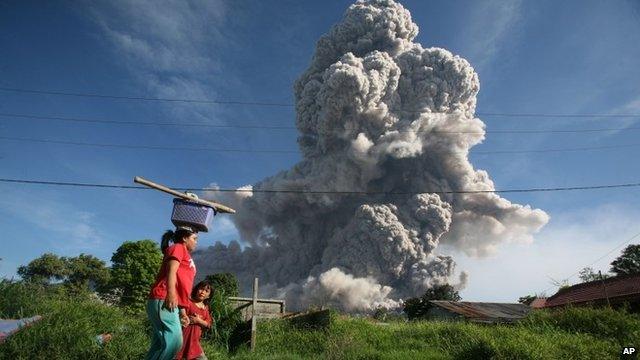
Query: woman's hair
x,y
175,236
201,285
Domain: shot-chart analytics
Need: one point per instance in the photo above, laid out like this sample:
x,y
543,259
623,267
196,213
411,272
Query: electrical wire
x,y
286,191
290,127
597,260
284,151
148,147
264,103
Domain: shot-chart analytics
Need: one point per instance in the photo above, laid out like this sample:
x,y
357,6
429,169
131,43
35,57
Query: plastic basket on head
x,y
188,213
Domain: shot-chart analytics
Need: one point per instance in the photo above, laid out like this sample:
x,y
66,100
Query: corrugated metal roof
x,y
485,312
617,288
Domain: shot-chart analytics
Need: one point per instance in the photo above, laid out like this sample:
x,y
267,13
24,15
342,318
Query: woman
x,y
171,292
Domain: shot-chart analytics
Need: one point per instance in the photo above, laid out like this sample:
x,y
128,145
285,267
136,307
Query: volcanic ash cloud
x,y
376,113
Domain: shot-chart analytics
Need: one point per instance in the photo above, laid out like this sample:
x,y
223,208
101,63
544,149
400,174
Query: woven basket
x,y
188,213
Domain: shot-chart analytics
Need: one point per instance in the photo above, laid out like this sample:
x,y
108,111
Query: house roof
x,y
485,312
538,303
617,289
11,326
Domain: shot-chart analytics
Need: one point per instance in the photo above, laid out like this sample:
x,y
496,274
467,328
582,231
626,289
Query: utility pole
x,y
254,313
604,287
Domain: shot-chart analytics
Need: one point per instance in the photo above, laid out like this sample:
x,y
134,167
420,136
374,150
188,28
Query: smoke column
x,y
379,113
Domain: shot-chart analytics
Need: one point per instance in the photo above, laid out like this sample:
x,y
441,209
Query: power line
x,y
575,149
598,259
283,127
283,151
265,103
525,190
149,147
144,98
120,122
556,115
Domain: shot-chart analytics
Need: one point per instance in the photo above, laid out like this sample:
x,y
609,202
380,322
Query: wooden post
x,y
253,314
604,287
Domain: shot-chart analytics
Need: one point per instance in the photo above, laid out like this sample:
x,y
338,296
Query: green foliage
x,y
45,269
628,262
616,325
135,265
70,326
588,274
79,274
226,319
527,299
380,314
87,272
417,308
226,283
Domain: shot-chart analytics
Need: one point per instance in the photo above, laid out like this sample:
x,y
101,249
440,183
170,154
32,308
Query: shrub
x,y
226,283
617,325
226,319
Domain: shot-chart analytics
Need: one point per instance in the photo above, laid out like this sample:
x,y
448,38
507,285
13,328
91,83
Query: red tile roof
x,y
617,289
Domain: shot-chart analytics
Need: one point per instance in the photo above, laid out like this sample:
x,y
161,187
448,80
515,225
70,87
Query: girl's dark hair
x,y
175,236
200,285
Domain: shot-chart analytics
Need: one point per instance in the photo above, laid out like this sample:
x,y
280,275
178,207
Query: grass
x,y
70,325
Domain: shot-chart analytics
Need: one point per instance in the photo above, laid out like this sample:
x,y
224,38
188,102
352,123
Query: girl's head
x,y
202,291
183,234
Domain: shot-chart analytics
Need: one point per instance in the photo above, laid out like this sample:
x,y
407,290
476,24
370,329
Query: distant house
x,y
480,312
538,303
615,291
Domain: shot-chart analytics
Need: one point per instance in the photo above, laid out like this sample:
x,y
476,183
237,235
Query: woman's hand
x,y
171,301
184,320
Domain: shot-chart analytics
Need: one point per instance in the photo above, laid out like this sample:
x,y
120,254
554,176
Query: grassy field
x,y
70,325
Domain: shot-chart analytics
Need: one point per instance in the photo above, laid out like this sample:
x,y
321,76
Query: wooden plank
x,y
248,299
219,207
253,314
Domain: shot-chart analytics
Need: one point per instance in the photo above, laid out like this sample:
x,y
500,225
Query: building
x,y
480,312
614,291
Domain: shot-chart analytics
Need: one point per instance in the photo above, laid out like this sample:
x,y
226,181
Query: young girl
x,y
199,318
171,291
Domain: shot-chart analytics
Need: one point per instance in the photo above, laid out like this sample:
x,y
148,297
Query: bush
x,y
617,325
69,326
226,283
417,308
226,319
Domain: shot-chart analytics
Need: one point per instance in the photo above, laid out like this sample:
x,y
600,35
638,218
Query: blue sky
x,y
570,57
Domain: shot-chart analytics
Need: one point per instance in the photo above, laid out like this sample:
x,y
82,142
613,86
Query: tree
x,y
45,269
226,283
135,265
417,308
87,272
527,299
588,274
628,262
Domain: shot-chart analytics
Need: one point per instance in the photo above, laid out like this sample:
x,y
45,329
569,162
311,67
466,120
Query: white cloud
x,y
487,30
630,107
171,49
570,242
76,226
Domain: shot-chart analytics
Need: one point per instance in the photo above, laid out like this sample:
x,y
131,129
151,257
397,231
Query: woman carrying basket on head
x,y
169,294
